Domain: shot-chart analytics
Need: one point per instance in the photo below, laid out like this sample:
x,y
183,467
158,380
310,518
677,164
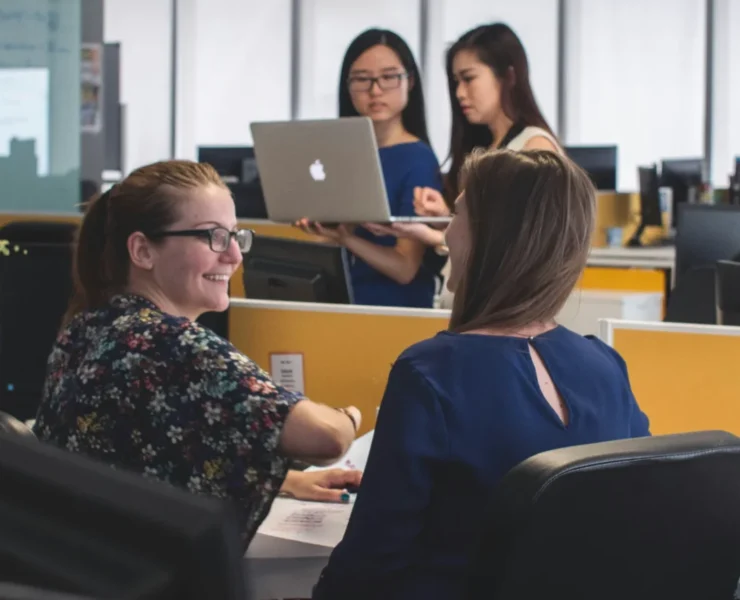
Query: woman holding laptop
x,y
380,80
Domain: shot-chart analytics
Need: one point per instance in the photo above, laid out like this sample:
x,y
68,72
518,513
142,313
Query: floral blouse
x,y
163,396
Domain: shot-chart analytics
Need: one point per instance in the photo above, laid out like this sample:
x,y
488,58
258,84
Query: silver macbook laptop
x,y
327,171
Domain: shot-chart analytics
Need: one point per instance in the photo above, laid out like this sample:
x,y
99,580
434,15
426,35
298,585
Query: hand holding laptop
x,y
417,231
429,202
337,232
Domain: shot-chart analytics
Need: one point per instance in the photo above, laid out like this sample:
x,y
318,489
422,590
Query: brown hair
x,y
531,217
145,201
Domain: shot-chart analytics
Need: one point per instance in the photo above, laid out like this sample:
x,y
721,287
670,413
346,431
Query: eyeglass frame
x,y
399,77
208,234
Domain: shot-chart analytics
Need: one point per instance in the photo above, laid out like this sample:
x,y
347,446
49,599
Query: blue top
x,y
461,410
405,166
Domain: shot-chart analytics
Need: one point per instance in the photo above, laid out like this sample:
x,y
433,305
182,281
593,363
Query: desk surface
x,y
278,568
657,257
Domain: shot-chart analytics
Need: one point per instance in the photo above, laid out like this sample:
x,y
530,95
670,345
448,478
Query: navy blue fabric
x,y
405,166
458,413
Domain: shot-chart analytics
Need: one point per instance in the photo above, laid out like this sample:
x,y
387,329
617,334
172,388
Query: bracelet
x,y
344,411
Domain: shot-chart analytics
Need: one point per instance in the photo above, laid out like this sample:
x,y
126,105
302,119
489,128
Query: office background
x,y
657,78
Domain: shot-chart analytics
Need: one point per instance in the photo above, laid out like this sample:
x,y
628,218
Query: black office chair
x,y
35,288
642,519
728,292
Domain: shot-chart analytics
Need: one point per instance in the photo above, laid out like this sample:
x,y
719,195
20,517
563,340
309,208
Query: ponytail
x,y
90,273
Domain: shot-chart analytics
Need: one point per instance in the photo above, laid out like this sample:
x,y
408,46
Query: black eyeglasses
x,y
387,81
218,238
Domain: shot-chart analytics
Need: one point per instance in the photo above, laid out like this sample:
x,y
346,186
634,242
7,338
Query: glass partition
x,y
39,105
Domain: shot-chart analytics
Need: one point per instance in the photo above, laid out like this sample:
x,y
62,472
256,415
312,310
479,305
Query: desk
x,y
277,568
658,257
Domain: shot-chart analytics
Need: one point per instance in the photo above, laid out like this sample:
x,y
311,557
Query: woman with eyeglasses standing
x,y
133,380
380,80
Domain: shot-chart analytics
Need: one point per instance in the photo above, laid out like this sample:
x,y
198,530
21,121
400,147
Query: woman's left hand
x,y
339,234
329,485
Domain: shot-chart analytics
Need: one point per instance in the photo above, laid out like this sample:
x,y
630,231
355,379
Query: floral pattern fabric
x,y
163,396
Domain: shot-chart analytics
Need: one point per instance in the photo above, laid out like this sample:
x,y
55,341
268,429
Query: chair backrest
x,y
642,519
11,425
728,292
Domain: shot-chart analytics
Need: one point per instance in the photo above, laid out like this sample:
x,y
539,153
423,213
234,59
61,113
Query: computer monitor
x,y
35,289
237,166
298,271
650,213
728,292
71,525
706,234
684,176
600,162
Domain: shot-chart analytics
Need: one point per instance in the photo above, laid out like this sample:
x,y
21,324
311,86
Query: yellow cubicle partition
x,y
684,376
346,352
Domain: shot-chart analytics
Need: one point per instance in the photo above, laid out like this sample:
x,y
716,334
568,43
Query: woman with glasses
x,y
136,382
380,80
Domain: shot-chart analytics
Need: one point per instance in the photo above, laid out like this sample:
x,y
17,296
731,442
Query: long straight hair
x,y
531,215
497,46
414,115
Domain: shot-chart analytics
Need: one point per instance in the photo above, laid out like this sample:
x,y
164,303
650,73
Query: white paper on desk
x,y
356,457
318,523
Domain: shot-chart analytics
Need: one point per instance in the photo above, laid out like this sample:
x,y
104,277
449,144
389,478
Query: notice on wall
x,y
287,370
91,93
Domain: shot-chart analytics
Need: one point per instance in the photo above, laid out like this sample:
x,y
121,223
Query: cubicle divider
x,y
342,354
684,376
336,354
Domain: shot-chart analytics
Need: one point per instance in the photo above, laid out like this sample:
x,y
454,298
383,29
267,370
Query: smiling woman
x,y
134,381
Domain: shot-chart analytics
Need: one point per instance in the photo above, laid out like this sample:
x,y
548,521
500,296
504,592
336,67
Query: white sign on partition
x,y
24,114
287,371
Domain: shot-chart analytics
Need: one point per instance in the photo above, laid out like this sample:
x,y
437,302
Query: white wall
x,y
327,28
144,29
634,69
534,21
726,91
233,68
635,77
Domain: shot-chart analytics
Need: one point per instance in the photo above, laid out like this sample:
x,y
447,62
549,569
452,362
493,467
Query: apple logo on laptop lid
x,y
317,171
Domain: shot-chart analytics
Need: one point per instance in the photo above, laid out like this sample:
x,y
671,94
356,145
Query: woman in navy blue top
x,y
380,80
504,383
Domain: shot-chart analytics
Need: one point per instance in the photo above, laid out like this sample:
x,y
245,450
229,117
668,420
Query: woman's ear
x,y
140,251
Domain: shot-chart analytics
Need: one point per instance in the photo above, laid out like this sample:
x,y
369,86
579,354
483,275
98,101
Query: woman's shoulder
x,y
446,351
142,326
416,151
531,132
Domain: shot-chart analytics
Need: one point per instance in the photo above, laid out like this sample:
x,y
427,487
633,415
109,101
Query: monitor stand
x,y
636,242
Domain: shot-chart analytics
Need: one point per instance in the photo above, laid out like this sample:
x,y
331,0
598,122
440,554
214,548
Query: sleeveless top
x,y
526,134
516,139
